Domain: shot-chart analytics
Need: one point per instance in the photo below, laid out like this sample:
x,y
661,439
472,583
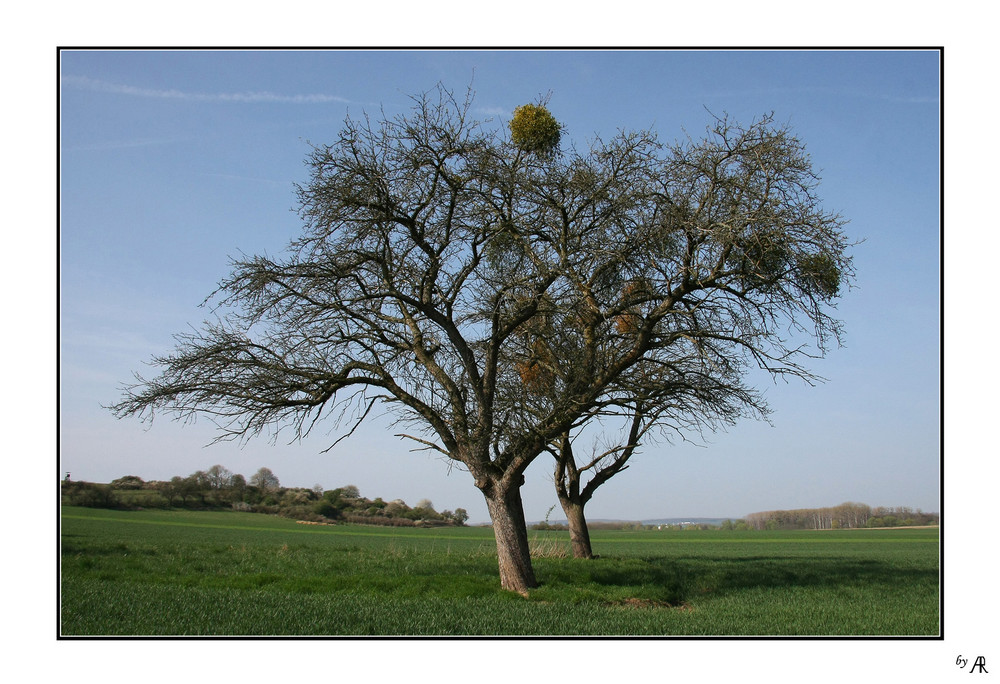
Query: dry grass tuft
x,y
548,548
651,603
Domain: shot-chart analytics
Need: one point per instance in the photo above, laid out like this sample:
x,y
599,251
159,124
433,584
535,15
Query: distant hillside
x,y
687,521
659,521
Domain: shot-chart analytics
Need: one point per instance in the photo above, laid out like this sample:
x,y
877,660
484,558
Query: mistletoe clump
x,y
534,129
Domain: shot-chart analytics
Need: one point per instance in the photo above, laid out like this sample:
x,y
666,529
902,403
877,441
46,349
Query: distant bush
x,y
326,509
300,513
90,494
379,520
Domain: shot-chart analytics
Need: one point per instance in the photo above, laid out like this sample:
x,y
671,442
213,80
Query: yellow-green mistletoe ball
x,y
534,129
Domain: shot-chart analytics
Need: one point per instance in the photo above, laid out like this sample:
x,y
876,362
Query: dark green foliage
x,y
326,509
762,257
819,274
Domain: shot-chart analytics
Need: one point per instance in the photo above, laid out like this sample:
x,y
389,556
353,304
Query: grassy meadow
x,y
228,573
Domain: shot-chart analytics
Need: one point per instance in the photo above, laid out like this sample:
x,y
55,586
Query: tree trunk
x,y
572,499
507,513
579,535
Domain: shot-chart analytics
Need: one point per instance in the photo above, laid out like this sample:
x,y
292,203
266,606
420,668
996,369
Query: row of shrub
x,y
346,503
845,516
218,488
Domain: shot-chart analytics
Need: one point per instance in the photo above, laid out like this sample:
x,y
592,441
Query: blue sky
x,y
173,161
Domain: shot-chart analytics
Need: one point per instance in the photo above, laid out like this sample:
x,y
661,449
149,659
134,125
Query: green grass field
x,y
222,573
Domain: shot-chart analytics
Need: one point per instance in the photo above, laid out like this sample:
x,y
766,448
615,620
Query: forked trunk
x,y
579,535
507,513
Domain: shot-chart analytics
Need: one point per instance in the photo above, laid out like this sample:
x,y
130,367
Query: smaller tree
x,y
396,508
195,485
173,489
200,479
238,486
264,480
218,477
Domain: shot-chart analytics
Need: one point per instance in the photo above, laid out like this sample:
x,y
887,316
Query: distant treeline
x,y
846,515
218,488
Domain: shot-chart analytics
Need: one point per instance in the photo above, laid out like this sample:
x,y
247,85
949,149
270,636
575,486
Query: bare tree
x,y
685,407
219,477
265,480
497,296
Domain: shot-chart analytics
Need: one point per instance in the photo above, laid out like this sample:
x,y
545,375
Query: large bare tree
x,y
498,293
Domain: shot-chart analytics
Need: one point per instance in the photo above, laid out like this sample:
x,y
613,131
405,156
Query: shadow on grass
x,y
677,580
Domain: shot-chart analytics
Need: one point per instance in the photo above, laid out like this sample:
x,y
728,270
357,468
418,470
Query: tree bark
x,y
514,558
572,499
579,534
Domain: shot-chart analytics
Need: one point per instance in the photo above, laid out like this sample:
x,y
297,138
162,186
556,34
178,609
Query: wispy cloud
x,y
123,144
96,85
492,111
821,91
252,179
